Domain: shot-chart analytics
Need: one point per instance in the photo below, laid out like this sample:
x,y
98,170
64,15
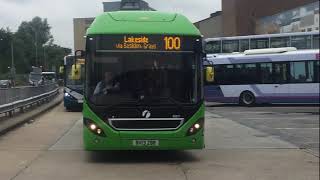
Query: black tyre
x,y
247,98
69,109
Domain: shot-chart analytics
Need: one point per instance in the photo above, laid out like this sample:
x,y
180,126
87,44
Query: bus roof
x,y
142,22
45,73
263,36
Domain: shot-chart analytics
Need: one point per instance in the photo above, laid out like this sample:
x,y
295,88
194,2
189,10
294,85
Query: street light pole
x,y
44,56
12,54
13,69
36,44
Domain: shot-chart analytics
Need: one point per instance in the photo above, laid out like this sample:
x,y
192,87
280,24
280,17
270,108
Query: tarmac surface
x,y
50,147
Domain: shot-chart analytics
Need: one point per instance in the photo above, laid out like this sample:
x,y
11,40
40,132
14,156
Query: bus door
x,y
281,78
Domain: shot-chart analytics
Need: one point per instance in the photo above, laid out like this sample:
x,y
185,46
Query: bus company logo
x,y
146,114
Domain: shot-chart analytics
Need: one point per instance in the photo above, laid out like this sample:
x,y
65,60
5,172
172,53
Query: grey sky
x,y
61,12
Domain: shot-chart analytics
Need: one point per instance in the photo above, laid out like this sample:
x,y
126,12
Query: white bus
x,y
279,75
49,77
299,40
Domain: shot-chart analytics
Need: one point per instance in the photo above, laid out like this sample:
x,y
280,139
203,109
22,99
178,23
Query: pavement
x,y
297,124
51,148
8,123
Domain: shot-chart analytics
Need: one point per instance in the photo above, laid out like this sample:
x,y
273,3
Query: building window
x,y
130,5
244,45
259,43
278,42
230,46
213,47
89,21
301,42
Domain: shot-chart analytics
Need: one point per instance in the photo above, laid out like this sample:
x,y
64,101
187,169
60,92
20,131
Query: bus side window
x,y
213,47
316,42
316,71
298,73
244,45
301,42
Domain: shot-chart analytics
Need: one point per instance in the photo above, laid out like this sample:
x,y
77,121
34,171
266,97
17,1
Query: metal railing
x,y
20,97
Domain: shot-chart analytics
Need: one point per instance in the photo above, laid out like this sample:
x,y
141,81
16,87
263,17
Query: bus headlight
x,y
93,127
196,127
66,94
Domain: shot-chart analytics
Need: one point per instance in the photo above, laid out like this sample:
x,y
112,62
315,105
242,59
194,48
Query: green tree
x,y
33,46
6,37
31,36
54,56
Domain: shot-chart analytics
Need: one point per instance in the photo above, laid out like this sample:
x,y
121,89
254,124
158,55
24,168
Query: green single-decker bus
x,y
143,87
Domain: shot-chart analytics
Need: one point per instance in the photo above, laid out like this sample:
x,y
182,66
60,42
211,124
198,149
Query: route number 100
x,y
172,43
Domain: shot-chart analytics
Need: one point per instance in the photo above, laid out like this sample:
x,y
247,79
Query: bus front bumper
x,y
71,103
93,142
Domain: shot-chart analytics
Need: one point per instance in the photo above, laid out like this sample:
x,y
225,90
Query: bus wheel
x,y
247,98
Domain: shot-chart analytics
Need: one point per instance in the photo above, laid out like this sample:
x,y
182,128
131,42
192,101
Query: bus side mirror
x,y
76,67
76,72
209,74
79,54
61,70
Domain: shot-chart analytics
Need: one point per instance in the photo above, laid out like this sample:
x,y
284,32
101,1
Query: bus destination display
x,y
145,43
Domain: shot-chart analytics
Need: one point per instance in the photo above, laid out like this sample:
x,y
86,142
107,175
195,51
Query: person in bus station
x,y
107,85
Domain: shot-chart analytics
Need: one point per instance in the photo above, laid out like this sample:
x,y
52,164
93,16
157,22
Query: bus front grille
x,y
146,124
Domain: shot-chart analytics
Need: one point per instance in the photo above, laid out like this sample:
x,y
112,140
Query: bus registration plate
x,y
149,143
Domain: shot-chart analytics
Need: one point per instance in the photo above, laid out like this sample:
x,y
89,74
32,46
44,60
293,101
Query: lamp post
x,y
36,44
44,56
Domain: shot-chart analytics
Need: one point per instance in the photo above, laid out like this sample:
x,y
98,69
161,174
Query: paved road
x,y
296,124
51,148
